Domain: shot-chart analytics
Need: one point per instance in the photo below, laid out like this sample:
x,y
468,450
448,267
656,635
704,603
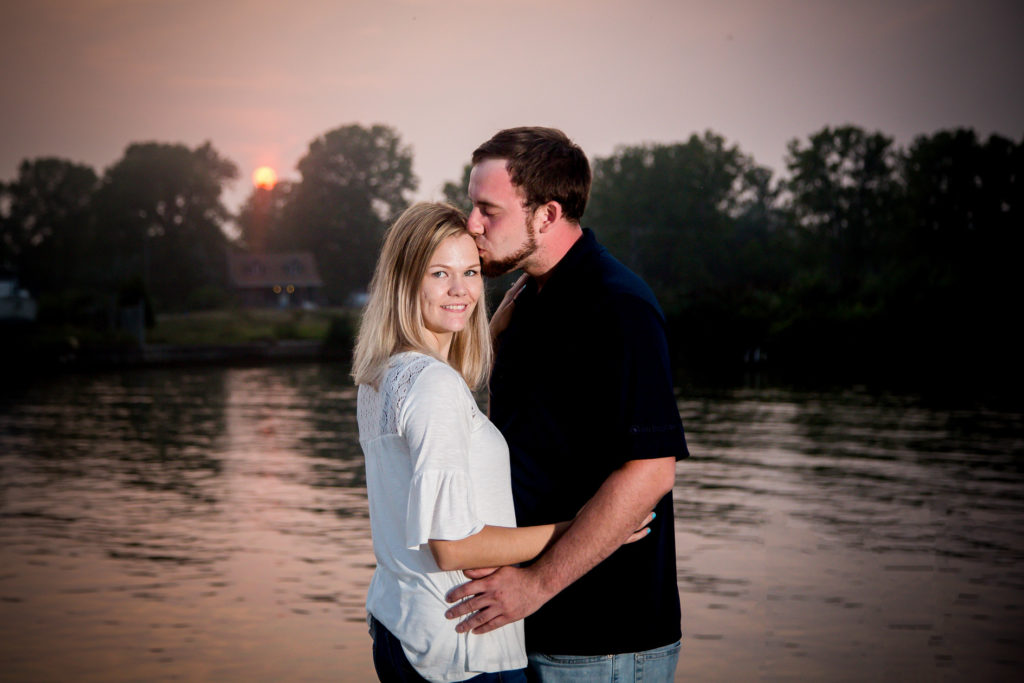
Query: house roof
x,y
266,270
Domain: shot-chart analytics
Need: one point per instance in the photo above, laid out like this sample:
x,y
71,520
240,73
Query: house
x,y
16,304
280,280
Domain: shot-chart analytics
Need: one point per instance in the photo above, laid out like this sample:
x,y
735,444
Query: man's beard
x,y
496,267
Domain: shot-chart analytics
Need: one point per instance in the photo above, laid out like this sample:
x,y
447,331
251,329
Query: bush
x,y
208,298
289,328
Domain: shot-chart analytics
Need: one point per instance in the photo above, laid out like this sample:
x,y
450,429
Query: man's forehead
x,y
490,168
491,176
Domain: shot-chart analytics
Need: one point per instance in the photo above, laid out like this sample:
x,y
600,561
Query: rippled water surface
x,y
211,525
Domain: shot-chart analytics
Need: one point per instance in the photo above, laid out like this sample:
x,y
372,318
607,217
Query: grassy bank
x,y
240,326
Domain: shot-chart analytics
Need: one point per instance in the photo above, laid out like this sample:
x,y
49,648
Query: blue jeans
x,y
650,666
393,667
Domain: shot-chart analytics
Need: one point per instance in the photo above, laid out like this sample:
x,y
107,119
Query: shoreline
x,y
171,355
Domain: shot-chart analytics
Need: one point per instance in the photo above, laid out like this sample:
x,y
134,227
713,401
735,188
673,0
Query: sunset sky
x,y
261,78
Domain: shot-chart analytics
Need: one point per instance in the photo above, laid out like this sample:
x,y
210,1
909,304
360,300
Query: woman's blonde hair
x,y
393,319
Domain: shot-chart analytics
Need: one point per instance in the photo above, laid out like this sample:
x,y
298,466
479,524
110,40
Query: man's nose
x,y
473,223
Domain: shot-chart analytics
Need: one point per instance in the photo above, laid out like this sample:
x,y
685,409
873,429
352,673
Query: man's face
x,y
499,222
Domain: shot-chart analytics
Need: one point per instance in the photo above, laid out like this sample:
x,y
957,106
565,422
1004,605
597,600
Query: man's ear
x,y
547,215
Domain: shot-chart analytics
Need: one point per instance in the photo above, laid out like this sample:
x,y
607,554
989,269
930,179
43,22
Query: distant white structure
x,y
15,303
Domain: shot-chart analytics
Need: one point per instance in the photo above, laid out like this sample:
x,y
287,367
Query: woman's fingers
x,y
502,314
644,529
480,572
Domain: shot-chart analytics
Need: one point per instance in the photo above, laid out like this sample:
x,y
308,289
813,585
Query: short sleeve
x,y
649,413
436,422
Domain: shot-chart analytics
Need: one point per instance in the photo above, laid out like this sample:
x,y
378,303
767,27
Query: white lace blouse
x,y
435,468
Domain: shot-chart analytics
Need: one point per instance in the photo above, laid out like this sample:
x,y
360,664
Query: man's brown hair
x,y
545,164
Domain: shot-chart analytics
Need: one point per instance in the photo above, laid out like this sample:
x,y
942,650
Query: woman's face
x,y
450,289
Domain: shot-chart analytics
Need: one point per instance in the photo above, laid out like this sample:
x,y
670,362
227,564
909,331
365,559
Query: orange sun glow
x,y
264,177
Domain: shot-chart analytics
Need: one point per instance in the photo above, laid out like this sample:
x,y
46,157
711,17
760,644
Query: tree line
x,y
154,225
864,256
861,256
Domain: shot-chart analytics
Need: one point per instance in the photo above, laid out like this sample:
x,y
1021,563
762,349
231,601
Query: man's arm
x,y
605,522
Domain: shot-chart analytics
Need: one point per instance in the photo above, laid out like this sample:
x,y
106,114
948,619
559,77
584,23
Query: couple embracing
x,y
556,507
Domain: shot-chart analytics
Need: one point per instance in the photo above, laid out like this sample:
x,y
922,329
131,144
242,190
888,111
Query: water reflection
x,y
211,525
849,537
201,525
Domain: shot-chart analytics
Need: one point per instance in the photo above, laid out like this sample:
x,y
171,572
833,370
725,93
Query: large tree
x,y
963,190
160,213
845,195
355,181
671,212
960,246
46,223
845,201
457,194
696,220
262,219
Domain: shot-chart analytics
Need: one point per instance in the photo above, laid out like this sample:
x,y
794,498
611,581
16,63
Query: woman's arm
x,y
496,546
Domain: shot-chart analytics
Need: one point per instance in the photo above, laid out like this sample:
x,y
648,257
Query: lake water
x,y
211,525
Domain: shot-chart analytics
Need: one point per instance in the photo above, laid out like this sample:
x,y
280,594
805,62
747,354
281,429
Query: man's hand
x,y
507,595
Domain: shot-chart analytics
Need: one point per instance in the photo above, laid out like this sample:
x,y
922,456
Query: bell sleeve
x,y
436,421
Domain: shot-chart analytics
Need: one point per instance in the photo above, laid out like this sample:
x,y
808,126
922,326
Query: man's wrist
x,y
543,582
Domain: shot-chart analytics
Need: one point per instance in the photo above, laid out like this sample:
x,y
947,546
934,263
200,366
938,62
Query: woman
x,y
437,471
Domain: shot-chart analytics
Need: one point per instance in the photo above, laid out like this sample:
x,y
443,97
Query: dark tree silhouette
x,y
46,223
355,181
844,195
674,213
958,289
457,194
261,220
160,213
696,220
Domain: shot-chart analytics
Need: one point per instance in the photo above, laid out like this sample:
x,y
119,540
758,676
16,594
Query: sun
x,y
264,177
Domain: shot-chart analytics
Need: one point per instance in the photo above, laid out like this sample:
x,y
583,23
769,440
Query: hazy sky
x,y
261,78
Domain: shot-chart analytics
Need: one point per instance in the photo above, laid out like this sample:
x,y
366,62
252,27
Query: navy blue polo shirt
x,y
581,385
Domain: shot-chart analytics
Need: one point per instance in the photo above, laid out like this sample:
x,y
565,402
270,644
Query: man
x,y
582,391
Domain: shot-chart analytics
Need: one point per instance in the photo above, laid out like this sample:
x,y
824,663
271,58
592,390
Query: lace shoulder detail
x,y
378,411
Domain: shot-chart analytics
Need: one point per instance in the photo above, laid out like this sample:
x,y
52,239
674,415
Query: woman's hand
x,y
479,572
642,531
502,314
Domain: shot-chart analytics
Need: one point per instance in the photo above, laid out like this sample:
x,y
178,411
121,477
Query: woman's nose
x,y
458,285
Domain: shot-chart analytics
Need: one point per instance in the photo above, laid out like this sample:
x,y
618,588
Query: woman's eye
x,y
472,272
439,274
